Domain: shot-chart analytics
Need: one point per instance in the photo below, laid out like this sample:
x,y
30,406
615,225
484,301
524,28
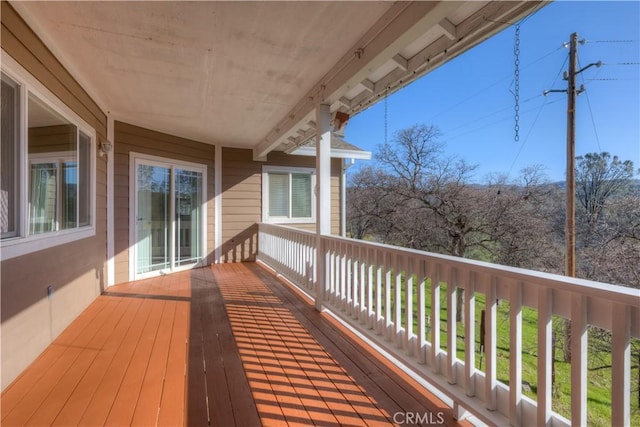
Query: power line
x,y
505,119
536,119
493,113
593,122
612,41
546,55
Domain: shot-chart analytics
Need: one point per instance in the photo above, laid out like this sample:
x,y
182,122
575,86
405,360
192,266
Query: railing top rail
x,y
606,291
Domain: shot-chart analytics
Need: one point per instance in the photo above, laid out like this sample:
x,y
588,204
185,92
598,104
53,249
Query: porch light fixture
x,y
105,147
339,122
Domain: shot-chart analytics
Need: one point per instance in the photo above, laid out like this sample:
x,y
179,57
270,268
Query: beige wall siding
x,y
242,199
129,138
30,321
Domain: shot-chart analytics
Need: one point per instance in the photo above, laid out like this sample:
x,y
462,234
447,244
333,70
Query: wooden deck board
x,y
40,390
229,344
74,407
124,406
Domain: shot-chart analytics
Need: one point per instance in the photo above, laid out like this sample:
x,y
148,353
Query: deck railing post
x,y
621,366
490,341
469,335
545,349
515,354
579,335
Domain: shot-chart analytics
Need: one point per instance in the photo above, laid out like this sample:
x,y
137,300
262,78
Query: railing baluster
x,y
515,354
578,360
363,284
621,366
371,266
388,322
470,335
452,313
355,280
397,303
490,340
435,320
332,273
422,330
349,282
408,306
343,277
379,284
545,353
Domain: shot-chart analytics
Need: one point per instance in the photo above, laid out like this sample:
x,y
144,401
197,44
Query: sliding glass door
x,y
169,228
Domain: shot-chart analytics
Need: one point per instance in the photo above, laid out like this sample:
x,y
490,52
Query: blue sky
x,y
470,100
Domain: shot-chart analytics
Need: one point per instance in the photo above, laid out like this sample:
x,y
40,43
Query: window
x,y
10,158
288,195
47,171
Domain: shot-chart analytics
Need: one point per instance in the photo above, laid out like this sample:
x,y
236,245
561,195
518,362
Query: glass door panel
x,y
188,206
153,221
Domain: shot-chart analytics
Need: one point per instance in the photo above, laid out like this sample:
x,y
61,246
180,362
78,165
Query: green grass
x,y
598,378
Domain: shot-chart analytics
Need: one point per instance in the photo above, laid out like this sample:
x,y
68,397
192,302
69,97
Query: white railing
x,y
364,280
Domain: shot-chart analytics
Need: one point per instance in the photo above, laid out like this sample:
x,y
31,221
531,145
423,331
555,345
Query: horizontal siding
x,y
76,271
130,138
242,199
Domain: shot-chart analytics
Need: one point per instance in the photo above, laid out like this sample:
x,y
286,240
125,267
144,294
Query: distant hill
x,y
634,188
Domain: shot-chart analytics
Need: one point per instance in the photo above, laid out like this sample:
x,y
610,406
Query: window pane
x,y
53,159
188,206
278,195
300,195
84,180
10,158
154,222
43,207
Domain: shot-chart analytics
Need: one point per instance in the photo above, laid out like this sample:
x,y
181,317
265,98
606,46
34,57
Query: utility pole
x,y
570,220
570,192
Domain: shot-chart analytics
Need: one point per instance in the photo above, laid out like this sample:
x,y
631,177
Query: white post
x,y
343,199
111,264
452,310
515,354
323,193
470,335
578,360
621,369
490,341
217,202
545,354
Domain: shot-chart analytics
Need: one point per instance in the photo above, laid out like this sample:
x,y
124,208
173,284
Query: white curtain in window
x,y
278,195
300,195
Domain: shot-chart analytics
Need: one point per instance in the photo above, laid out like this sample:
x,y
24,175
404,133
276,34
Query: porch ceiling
x,y
248,74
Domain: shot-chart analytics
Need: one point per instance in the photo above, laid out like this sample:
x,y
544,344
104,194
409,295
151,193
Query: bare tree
x,y
599,176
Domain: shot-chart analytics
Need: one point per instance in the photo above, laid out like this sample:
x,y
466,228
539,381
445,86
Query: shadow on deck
x,y
226,345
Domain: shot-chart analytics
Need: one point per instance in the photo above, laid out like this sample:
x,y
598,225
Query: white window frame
x,y
23,243
139,158
266,170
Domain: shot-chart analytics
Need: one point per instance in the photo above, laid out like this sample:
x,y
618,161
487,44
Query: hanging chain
x,y
516,82
386,96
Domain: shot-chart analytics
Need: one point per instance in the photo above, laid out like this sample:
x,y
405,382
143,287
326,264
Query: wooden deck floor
x,y
226,345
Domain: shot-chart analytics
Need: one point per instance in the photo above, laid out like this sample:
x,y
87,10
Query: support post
x,y
217,200
111,265
323,195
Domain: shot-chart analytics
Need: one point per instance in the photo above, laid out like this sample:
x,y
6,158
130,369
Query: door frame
x,y
140,158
